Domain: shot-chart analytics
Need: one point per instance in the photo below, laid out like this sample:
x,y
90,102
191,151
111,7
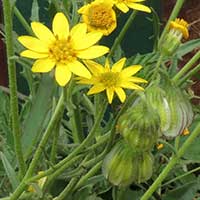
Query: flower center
x,y
109,79
100,16
61,51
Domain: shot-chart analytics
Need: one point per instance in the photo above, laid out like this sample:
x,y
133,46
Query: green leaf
x,y
34,122
131,195
185,192
35,11
9,171
188,47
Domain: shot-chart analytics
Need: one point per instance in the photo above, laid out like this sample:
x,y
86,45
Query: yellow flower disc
x,y
99,16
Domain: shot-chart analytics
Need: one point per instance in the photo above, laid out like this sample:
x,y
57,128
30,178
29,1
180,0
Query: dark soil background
x,y
190,12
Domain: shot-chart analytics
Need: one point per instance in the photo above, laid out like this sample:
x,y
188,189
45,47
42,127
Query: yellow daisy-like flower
x,y
112,79
180,25
124,5
99,16
62,48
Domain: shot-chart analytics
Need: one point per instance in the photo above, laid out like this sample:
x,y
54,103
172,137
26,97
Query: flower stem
x,y
23,21
186,67
171,163
13,87
67,190
122,33
189,74
174,14
36,157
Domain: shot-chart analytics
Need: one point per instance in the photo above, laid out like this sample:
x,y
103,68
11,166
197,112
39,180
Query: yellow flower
x,y
124,5
112,79
62,48
181,26
99,16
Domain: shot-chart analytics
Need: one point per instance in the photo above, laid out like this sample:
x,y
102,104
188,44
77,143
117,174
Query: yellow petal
x,y
33,44
86,81
62,74
33,54
60,26
137,80
42,32
117,67
130,85
93,52
96,89
87,41
129,71
78,31
110,94
43,65
140,7
79,69
94,67
83,9
121,94
122,7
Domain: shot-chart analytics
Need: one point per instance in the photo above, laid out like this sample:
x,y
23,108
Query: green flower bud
x,y
140,126
143,167
173,107
118,166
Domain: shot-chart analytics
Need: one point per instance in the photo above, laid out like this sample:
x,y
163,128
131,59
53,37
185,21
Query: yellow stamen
x,y
61,51
109,79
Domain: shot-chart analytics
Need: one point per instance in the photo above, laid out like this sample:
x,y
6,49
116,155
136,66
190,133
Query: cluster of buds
x,y
131,160
178,29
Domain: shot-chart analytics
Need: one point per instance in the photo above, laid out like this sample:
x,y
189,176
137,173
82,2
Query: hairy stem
x,y
13,87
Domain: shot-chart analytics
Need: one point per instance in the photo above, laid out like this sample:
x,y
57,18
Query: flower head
x,y
99,16
124,5
181,26
62,48
112,79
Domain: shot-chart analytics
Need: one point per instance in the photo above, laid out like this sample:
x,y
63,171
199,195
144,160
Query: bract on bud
x,y
173,106
140,126
118,165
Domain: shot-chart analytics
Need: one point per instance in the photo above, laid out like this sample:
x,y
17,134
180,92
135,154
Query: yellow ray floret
x,y
99,16
62,48
124,5
180,25
112,79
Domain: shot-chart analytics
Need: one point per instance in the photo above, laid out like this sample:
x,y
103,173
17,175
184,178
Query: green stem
x,y
62,164
13,87
23,21
189,74
181,176
90,173
171,163
186,67
41,146
74,115
174,14
156,69
67,190
122,33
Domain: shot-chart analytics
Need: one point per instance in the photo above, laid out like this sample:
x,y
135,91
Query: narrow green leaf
x,y
35,11
9,171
